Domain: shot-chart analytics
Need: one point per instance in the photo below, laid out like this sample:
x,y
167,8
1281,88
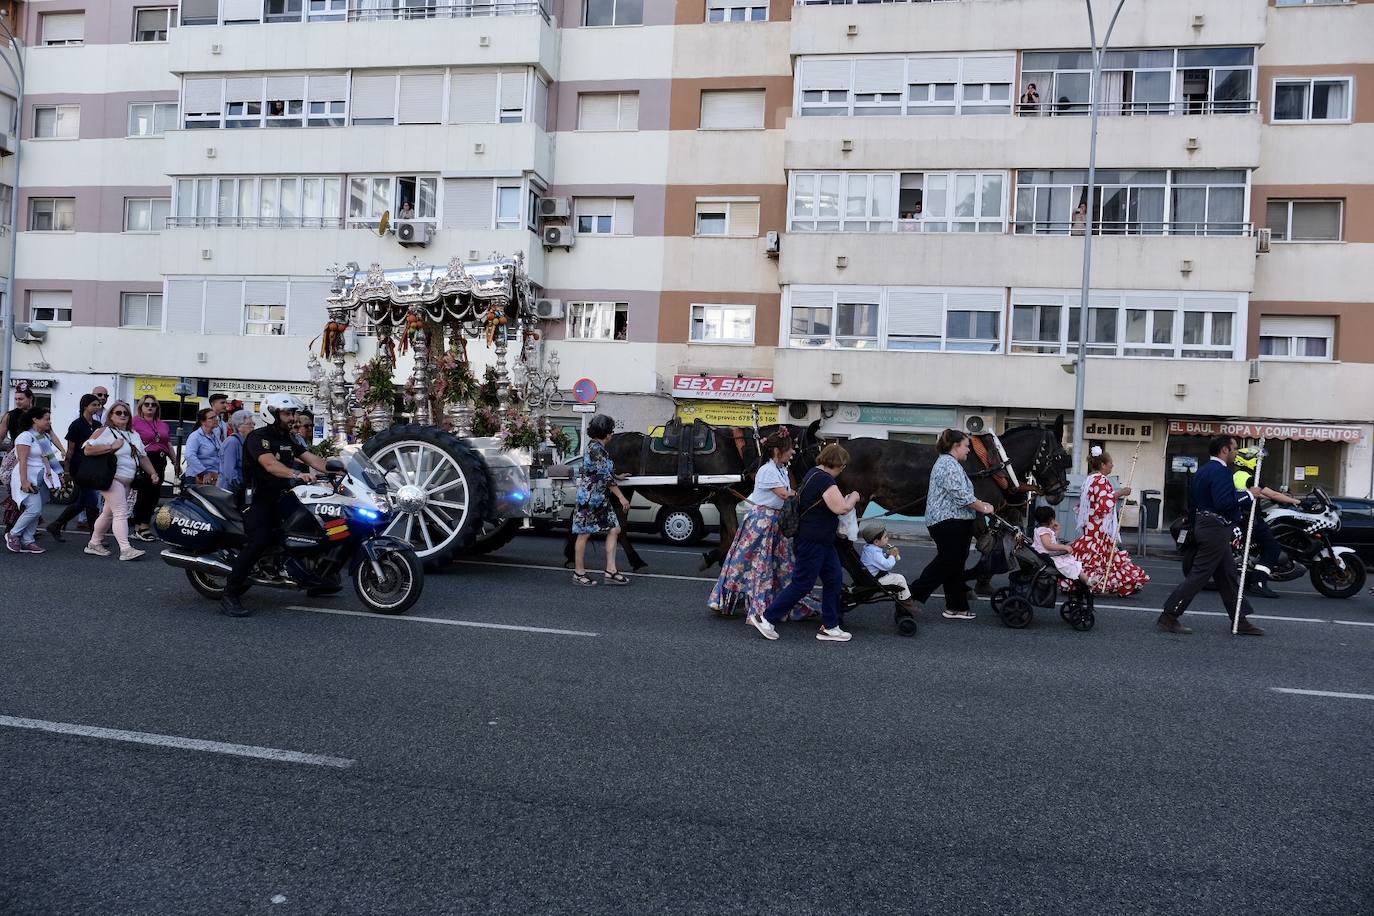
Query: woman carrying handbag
x,y
116,439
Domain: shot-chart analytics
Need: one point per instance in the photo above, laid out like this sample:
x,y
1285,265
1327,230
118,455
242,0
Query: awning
x,y
1255,429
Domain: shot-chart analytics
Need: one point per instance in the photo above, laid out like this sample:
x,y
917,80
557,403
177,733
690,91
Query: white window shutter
x,y
203,96
223,307
306,312
880,75
976,302
541,103
374,96
932,70
1208,303
286,87
185,306
598,111
199,9
744,219
990,69
732,109
467,203
513,89
812,298
624,216
422,98
1297,326
472,98
243,89
824,73
264,292
911,313
63,27
241,10
49,299
629,111
328,87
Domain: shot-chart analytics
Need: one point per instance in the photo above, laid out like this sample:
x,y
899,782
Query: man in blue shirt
x,y
1217,514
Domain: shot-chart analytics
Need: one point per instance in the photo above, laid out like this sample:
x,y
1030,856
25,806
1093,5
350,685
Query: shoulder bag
x,y
96,472
791,516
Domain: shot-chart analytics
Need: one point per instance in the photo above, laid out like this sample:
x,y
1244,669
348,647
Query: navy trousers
x,y
813,560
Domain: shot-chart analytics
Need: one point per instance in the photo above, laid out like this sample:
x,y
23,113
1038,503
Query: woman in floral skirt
x,y
759,563
593,515
1105,565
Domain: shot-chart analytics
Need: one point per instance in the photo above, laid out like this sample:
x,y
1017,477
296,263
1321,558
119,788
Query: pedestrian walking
x,y
596,483
1098,547
14,420
85,501
102,394
202,452
231,457
157,439
37,471
950,510
221,406
118,438
1217,518
819,507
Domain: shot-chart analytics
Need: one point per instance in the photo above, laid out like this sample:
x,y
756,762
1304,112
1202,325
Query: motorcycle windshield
x,y
363,468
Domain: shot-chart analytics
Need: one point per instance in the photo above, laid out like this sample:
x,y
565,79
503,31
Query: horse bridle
x,y
1045,461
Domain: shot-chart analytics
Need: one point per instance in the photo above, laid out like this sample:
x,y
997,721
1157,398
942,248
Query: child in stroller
x,y
864,588
1036,581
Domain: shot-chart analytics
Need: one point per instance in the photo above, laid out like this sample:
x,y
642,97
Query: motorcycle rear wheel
x,y
1335,583
403,578
208,586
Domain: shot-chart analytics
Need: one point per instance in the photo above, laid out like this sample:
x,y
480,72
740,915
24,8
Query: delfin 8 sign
x,y
722,388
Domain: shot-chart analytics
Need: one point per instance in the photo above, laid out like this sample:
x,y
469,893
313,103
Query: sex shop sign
x,y
722,388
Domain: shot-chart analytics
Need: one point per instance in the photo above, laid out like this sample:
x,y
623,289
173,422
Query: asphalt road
x,y
649,758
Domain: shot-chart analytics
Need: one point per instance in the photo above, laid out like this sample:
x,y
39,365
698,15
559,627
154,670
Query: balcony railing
x,y
374,11
254,222
1047,109
850,2
1131,227
450,11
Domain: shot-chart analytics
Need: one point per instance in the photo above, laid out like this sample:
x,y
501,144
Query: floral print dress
x,y
593,514
1097,544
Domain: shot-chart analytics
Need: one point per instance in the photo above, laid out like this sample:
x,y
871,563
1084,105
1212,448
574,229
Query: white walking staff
x,y
1249,532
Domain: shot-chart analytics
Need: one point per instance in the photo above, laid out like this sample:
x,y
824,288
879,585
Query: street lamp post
x,y
183,390
8,313
1081,360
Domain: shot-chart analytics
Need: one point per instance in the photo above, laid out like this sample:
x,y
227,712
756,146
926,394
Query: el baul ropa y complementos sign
x,y
1247,430
722,388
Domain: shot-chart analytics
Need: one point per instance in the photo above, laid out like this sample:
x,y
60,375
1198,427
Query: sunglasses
x,y
102,397
119,413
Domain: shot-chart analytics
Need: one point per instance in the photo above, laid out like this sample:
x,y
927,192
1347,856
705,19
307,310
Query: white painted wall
x,y
1288,153
1325,392
97,69
115,350
89,256
611,157
729,265
1315,272
608,263
708,49
715,156
615,366
1340,32
600,54
62,163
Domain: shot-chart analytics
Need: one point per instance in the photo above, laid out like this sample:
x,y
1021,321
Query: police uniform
x,y
1270,550
272,498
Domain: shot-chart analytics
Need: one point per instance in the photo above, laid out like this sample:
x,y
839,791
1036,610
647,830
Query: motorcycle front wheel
x,y
1333,582
398,587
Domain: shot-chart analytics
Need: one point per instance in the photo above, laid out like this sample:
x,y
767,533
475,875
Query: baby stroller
x,y
864,588
1035,583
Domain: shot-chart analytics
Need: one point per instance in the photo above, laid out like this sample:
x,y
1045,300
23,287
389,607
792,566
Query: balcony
x,y
980,25
246,12
1285,390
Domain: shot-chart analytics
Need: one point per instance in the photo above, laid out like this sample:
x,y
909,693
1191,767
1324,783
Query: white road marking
x,y
185,744
632,575
1354,623
440,620
1324,693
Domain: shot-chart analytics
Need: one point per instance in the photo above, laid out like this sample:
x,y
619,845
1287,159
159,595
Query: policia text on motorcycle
x,y
268,458
1247,459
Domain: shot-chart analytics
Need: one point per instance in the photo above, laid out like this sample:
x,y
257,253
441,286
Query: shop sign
x,y
1244,429
723,387
251,390
892,415
725,414
1119,429
158,386
35,384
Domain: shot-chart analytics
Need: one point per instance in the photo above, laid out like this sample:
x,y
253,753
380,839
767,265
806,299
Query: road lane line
x,y
1354,623
175,741
1324,693
440,620
633,575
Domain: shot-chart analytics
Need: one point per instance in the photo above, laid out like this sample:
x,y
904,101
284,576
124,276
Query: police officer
x,y
1246,463
1217,519
268,458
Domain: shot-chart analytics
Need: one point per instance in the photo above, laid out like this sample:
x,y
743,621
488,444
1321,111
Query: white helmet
x,y
274,404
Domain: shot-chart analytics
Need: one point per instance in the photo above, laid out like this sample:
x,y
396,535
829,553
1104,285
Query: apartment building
x,y
871,215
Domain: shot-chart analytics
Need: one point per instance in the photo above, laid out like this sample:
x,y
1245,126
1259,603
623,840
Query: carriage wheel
x,y
442,495
1016,612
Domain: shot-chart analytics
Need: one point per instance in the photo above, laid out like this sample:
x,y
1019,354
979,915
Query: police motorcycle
x,y
1305,532
336,532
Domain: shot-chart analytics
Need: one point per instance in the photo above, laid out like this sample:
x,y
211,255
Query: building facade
x,y
877,211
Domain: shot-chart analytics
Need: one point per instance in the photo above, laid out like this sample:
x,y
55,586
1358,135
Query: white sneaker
x,y
833,634
763,626
130,553
97,550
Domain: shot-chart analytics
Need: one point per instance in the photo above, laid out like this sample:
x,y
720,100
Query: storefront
x,y
725,400
919,424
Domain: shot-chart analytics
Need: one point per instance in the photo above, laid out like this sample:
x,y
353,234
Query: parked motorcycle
x,y
1305,532
337,532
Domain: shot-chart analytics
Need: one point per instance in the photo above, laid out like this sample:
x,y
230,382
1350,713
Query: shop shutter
x,y
199,10
63,27
242,10
307,311
202,96
1297,326
990,69
744,219
286,87
374,96
422,98
932,70
915,314
513,90
472,98
467,203
243,89
185,306
880,75
331,87
224,307
817,73
731,109
598,111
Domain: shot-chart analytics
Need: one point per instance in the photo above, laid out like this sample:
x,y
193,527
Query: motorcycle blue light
x,y
367,513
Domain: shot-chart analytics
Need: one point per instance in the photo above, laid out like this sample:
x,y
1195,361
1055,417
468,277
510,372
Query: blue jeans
x,y
812,560
32,505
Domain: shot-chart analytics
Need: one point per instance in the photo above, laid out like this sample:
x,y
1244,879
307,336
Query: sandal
x,y
583,579
616,578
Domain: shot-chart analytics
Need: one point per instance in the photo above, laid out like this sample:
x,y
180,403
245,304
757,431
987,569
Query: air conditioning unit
x,y
412,234
977,423
774,243
1263,239
558,237
553,208
548,309
7,143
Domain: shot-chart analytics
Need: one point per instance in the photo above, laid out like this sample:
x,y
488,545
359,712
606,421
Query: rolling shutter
x,y
915,315
374,97
624,216
422,98
286,87
223,307
202,96
976,302
467,203
1204,303
472,98
264,292
63,27
242,10
999,69
731,109
1296,326
825,73
513,90
541,104
812,298
332,87
744,219
598,111
880,75
932,70
199,10
243,89
184,305
307,311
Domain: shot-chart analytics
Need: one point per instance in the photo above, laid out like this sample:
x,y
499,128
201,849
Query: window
x,y
264,320
9,113
723,324
598,320
140,310
1312,2
52,214
146,214
1296,337
735,11
896,318
732,109
325,10
151,119
152,24
1139,82
1126,202
738,218
971,84
199,12
6,202
370,196
327,100
1312,99
508,206
62,28
60,122
969,330
1305,220
276,202
51,306
856,322
608,111
1207,202
604,215
1134,324
898,201
283,10
614,12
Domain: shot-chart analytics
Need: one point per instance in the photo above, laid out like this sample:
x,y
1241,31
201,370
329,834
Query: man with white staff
x,y
1247,460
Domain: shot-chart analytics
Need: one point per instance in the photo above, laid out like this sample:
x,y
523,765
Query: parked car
x,y
1357,525
676,526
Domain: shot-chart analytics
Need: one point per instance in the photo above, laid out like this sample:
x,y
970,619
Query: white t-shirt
x,y
125,460
37,467
768,477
